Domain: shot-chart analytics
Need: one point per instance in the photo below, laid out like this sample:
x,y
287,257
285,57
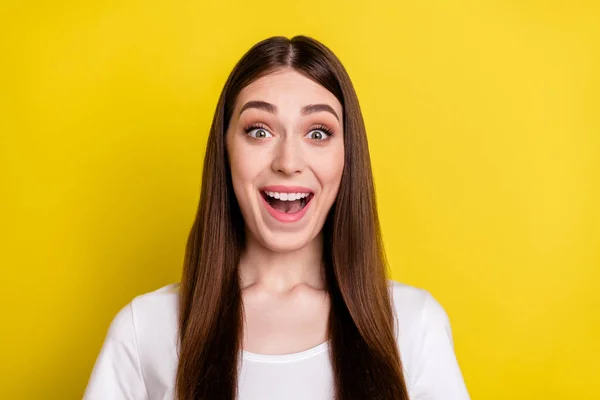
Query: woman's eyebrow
x,y
313,108
271,108
261,105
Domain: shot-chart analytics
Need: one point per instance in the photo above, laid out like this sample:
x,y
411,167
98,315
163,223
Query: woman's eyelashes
x,y
319,133
316,133
258,132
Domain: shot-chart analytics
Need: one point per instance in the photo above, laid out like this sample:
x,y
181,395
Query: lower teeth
x,y
285,207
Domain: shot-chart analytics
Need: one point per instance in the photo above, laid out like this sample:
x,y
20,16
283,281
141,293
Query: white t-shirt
x,y
138,359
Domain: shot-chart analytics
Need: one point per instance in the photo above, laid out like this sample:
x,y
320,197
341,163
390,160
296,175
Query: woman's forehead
x,y
287,90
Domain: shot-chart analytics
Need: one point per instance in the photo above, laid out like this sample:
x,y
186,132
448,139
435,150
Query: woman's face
x,y
286,153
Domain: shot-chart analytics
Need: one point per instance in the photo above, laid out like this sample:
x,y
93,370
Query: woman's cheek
x,y
244,158
330,165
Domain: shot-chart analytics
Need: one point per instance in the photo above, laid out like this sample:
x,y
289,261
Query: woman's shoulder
x,y
417,309
426,344
148,318
157,304
408,300
139,353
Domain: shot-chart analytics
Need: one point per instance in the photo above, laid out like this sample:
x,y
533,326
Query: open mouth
x,y
287,203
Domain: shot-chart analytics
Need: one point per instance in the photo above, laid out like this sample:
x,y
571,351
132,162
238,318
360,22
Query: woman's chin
x,y
285,241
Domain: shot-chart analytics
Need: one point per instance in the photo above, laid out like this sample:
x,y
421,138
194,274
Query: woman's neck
x,y
281,271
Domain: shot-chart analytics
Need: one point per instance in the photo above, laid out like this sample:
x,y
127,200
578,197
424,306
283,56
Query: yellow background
x,y
484,125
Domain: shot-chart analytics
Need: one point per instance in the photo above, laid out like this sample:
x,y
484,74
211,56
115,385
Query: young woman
x,y
284,293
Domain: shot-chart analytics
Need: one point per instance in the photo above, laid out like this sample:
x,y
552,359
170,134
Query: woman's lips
x,y
280,215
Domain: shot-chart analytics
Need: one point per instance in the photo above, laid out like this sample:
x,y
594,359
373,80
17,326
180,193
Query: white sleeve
x,y
117,374
437,373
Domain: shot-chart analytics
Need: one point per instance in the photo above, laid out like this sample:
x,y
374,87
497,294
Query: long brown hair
x,y
363,347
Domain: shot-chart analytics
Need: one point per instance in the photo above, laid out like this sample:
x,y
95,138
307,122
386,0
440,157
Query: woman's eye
x,y
317,134
259,133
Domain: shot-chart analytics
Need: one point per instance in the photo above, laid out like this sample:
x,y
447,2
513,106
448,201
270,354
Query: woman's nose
x,y
288,157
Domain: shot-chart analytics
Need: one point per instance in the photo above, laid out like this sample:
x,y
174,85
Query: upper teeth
x,y
287,196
